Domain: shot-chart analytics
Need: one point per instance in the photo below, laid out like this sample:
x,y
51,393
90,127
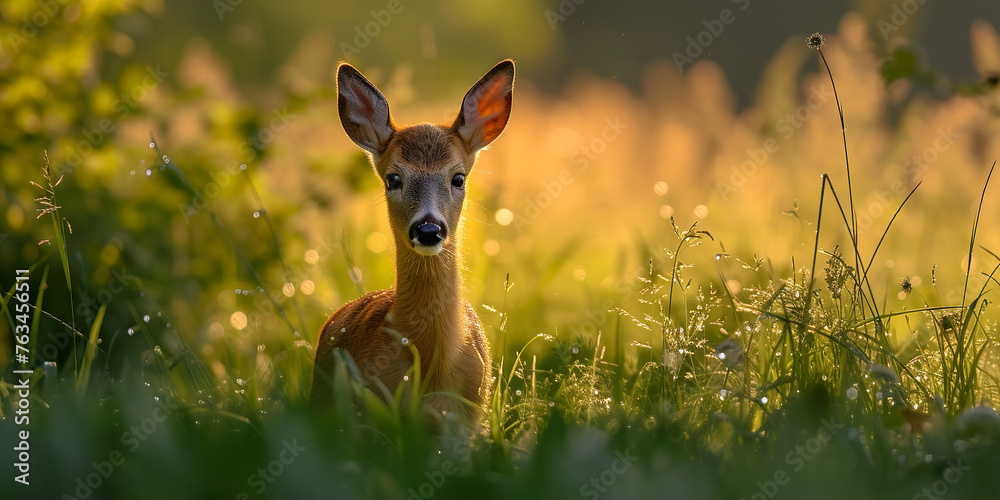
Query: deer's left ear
x,y
486,107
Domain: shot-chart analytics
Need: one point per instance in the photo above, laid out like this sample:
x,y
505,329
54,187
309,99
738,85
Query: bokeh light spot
x,y
238,320
504,216
491,247
377,242
312,257
216,331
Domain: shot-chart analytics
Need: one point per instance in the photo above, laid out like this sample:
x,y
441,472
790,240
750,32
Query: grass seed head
x,y
815,41
906,285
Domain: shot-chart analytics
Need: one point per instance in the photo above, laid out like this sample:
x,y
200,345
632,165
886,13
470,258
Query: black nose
x,y
428,233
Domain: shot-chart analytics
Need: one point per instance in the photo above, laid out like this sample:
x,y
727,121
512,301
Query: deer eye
x,y
393,181
458,181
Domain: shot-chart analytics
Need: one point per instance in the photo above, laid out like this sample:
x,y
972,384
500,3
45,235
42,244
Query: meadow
x,y
797,299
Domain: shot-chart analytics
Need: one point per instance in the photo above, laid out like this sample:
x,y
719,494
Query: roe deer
x,y
423,168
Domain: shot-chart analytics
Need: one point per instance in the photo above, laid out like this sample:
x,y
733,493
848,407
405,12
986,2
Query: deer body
x,y
423,168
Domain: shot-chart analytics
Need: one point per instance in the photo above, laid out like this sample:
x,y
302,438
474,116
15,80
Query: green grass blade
x,y
36,317
91,351
975,229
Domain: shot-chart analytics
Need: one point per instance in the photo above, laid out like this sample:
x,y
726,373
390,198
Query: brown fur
x,y
451,341
426,308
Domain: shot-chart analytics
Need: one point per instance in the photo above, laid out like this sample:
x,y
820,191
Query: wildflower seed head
x,y
837,273
815,41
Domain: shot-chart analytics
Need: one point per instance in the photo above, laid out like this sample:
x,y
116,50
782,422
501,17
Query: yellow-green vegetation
x,y
793,301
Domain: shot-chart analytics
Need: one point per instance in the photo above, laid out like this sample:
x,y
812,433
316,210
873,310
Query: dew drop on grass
x,y
145,318
722,356
149,172
243,166
763,400
852,393
576,350
405,341
517,392
132,172
256,215
406,378
355,274
131,331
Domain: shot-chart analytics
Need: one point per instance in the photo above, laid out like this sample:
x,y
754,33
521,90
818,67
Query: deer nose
x,y
428,232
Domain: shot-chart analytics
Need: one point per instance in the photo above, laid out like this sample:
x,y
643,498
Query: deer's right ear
x,y
363,110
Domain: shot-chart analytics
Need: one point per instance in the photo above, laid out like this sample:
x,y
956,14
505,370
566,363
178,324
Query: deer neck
x,y
428,303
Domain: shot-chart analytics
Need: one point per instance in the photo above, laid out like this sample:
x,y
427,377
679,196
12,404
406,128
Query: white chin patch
x,y
427,250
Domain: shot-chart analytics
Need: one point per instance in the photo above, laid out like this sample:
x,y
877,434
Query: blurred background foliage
x,y
252,216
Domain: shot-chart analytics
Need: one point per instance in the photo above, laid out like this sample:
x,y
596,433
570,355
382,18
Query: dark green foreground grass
x,y
818,444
